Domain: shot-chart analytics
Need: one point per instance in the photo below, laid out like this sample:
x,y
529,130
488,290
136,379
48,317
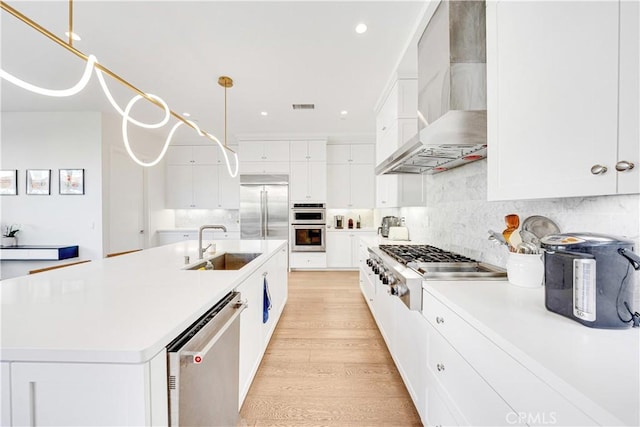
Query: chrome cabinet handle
x,y
439,319
598,169
440,367
624,165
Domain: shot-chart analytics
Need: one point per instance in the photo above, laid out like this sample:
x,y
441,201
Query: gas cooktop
x,y
437,264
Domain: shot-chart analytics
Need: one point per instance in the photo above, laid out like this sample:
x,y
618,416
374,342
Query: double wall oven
x,y
308,227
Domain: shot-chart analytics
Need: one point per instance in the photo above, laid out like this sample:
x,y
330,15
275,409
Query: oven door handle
x,y
197,356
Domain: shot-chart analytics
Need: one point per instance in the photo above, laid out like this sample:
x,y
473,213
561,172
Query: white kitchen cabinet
x,y
118,394
201,187
308,260
312,150
350,176
486,383
410,351
197,177
400,191
308,181
396,119
5,392
343,248
264,151
165,237
350,186
192,155
562,98
254,332
264,168
385,312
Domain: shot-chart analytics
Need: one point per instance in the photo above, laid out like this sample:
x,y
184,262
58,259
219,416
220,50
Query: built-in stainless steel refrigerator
x,y
264,207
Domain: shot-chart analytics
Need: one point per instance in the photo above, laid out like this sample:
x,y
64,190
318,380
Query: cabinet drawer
x,y
479,404
516,384
308,260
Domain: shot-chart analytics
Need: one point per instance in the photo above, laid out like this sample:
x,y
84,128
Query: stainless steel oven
x,y
308,237
308,213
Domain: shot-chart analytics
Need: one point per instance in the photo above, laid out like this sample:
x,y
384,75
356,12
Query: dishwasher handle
x,y
197,356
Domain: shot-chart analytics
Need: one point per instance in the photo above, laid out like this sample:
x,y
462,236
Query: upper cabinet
x,y
197,178
264,157
350,176
303,151
308,171
396,123
562,99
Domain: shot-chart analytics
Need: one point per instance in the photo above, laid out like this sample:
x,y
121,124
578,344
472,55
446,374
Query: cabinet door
x,y
250,332
298,181
362,153
552,85
205,186
338,153
318,181
339,249
206,154
317,151
251,151
384,311
168,237
474,398
628,146
179,155
178,190
338,185
5,391
362,180
229,189
299,151
60,394
276,151
386,191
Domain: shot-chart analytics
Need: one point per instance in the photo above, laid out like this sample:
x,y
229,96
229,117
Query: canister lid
x,y
582,238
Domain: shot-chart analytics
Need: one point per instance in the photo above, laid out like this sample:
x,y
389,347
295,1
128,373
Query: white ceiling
x,y
278,54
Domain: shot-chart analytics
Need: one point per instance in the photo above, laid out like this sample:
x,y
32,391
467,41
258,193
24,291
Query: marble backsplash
x,y
457,215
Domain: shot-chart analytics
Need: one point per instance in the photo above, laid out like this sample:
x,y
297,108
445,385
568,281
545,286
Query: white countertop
x,y
123,309
353,230
596,367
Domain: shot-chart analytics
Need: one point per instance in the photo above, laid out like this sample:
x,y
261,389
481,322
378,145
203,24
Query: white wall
x,y
457,214
53,141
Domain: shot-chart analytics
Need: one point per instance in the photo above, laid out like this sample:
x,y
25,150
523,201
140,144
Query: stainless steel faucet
x,y
207,227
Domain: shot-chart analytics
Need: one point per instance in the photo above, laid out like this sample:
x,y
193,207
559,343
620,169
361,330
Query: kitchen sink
x,y
226,261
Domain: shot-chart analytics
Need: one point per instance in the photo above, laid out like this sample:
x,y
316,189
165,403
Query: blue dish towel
x,y
266,301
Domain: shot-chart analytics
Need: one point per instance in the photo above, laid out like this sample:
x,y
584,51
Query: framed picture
x,y
39,181
72,181
8,182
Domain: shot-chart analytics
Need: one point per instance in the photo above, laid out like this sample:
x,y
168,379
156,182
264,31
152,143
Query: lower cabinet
x,y
484,384
61,394
343,248
257,323
308,260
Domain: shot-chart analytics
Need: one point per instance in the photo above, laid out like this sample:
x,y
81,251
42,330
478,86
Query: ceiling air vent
x,y
304,106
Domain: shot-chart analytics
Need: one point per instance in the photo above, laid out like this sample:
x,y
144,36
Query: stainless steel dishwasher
x,y
203,368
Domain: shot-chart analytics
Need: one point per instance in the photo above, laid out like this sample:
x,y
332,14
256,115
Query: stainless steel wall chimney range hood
x,y
452,97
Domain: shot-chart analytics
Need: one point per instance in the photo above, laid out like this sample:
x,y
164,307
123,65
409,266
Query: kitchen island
x,y
86,344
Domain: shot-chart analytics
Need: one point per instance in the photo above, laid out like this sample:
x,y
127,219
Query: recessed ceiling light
x,y
74,36
264,113
361,28
186,114
344,112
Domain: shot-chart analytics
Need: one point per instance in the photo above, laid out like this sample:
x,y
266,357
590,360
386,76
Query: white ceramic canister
x,y
525,270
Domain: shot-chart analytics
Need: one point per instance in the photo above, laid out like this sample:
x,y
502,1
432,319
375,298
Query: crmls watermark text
x,y
532,418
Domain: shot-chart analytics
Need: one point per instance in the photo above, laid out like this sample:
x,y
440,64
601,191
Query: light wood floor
x,y
327,363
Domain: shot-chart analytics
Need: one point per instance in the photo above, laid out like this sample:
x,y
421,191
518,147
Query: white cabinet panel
x,y
308,181
339,249
178,187
313,150
338,185
561,119
362,153
264,151
205,187
5,392
362,183
338,153
59,394
308,260
350,176
192,154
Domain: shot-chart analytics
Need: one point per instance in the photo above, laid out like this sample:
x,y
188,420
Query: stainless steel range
x,y
404,267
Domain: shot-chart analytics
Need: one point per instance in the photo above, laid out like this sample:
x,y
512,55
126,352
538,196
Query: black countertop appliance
x,y
591,278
